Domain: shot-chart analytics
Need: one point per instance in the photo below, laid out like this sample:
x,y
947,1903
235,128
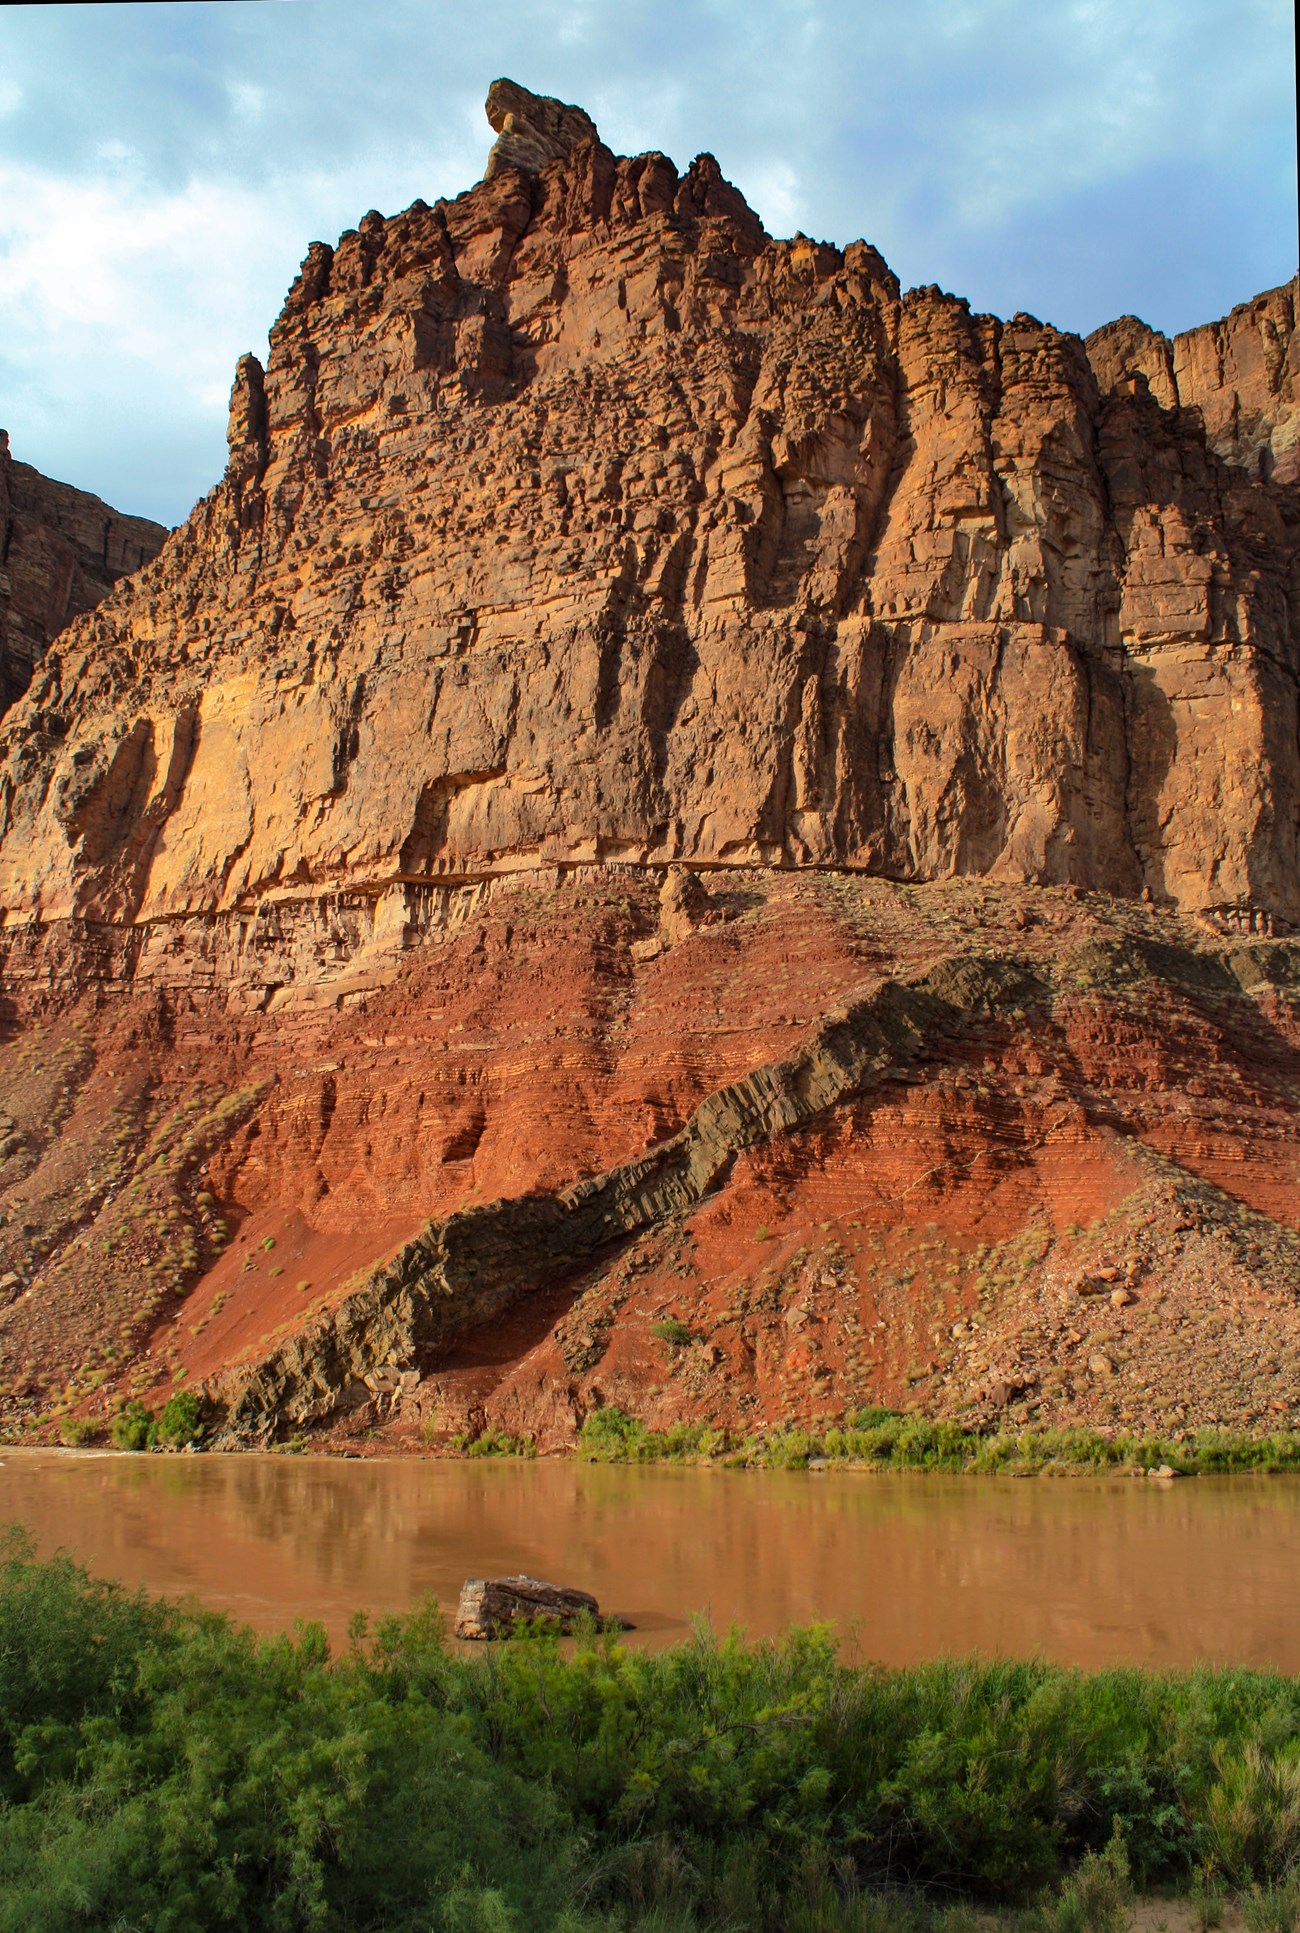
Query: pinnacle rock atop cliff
x,y
61,551
670,781
532,129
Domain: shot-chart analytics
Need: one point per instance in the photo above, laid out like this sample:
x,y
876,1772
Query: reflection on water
x,y
1088,1571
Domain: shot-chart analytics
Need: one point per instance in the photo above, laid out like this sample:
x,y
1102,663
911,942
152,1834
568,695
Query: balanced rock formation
x,y
532,129
669,780
61,552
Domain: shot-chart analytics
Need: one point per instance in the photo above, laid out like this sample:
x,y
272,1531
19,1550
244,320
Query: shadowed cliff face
x,y
61,551
627,659
577,519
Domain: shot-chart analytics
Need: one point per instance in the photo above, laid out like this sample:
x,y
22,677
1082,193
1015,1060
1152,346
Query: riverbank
x,y
873,1439
888,1440
160,1765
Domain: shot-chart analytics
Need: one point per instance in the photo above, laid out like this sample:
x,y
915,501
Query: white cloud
x,y
246,99
1086,93
113,260
774,192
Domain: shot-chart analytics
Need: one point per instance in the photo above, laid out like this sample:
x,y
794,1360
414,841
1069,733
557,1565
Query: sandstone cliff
x,y
1240,377
577,519
60,552
670,778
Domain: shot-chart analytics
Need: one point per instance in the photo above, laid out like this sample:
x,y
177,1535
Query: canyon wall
x,y
577,519
670,782
61,551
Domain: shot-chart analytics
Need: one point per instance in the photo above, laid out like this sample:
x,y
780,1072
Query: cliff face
x,y
1240,377
577,519
61,551
671,778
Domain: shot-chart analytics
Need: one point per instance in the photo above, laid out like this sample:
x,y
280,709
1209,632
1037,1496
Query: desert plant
x,y
673,1331
1252,1814
1272,1909
130,1428
180,1421
1095,1899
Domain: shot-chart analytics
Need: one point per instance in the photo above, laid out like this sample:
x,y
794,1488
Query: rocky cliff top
x,y
577,520
532,129
1241,376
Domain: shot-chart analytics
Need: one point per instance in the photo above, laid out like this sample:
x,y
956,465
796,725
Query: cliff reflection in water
x,y
1087,1571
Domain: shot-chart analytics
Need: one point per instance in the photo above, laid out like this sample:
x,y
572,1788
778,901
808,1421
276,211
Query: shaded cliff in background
x,y
61,551
625,652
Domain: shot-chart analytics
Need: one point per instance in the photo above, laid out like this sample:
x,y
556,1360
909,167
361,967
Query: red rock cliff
x,y
61,551
446,951
576,518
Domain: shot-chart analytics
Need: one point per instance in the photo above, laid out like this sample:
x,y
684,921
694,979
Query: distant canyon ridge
x,y
61,550
669,778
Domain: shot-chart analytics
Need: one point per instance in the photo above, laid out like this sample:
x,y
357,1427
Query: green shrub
x,y
131,1427
673,1331
180,1421
1272,1909
1252,1813
611,1436
494,1443
1096,1898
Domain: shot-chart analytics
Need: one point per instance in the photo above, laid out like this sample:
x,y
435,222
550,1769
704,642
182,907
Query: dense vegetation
x,y
162,1768
884,1439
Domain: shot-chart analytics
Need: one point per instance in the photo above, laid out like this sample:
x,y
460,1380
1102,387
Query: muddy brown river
x,y
1089,1571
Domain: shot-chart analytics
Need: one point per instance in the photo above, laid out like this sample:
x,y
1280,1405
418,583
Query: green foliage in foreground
x,y
162,1768
882,1439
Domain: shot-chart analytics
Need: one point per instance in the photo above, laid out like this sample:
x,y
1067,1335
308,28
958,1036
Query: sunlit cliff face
x,y
627,660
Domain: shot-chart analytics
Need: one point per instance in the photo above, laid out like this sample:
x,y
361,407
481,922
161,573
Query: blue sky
x,y
163,167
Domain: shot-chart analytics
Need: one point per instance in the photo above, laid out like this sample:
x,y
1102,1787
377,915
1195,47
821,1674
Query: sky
x,y
164,166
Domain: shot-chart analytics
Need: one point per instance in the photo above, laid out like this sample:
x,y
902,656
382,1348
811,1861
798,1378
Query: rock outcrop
x,y
671,784
1240,377
532,129
494,1607
468,1268
61,551
576,519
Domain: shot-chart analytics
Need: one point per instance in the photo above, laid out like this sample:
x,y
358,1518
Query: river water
x,y
1089,1571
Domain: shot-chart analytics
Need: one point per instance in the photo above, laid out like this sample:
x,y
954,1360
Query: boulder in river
x,y
491,1607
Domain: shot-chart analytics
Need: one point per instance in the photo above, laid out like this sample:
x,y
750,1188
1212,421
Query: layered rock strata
x,y
471,1266
536,855
939,1217
61,552
577,519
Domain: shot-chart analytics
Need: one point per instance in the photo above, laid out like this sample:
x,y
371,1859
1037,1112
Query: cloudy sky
x,y
163,167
